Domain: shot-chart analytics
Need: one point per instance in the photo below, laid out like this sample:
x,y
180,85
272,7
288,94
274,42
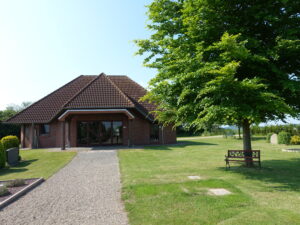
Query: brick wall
x,y
138,129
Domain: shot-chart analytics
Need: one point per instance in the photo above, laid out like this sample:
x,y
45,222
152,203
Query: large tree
x,y
224,62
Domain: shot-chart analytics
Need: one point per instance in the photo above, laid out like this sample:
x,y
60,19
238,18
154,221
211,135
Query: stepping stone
x,y
194,177
218,191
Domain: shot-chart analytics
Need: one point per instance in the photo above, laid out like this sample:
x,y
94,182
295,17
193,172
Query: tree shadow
x,y
284,174
258,138
179,144
20,167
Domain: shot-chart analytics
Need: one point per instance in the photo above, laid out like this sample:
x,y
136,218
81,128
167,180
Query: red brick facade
x,y
135,131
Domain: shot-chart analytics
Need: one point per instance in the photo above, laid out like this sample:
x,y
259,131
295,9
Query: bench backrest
x,y
242,154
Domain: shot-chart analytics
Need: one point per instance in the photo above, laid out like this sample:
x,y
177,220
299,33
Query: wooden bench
x,y
242,156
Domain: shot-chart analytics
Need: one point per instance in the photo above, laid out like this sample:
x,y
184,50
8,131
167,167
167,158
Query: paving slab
x,y
194,177
218,191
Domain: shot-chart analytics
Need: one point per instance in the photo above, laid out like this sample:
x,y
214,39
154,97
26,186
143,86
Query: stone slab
x,y
194,177
218,191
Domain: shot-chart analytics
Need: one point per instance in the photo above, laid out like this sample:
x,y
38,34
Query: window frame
x,y
42,128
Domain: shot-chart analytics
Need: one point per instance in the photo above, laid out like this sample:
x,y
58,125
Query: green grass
x,y
156,189
37,163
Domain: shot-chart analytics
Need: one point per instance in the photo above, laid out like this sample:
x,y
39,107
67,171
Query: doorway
x,y
95,133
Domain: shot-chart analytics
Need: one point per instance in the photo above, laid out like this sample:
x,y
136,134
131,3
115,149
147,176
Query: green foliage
x,y
295,140
3,191
9,129
216,69
290,128
2,156
16,183
10,142
284,138
268,137
228,133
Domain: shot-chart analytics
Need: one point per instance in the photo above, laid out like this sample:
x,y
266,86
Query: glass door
x,y
105,132
117,132
93,133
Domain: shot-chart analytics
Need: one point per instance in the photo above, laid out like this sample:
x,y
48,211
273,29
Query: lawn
x,y
37,163
156,189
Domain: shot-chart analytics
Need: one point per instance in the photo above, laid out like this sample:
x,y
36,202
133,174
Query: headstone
x,y
274,139
218,191
12,156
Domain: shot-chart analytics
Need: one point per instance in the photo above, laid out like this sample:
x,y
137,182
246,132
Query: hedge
x,y
2,156
284,138
10,142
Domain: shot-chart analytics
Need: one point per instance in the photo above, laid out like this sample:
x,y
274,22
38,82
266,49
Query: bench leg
x,y
227,164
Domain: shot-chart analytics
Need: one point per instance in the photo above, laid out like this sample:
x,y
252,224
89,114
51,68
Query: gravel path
x,y
85,192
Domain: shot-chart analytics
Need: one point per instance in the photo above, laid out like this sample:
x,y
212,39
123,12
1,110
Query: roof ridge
x,y
82,89
43,98
120,91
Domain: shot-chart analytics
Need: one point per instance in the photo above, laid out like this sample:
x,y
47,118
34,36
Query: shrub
x,y
10,142
295,140
268,138
3,191
16,183
2,156
284,138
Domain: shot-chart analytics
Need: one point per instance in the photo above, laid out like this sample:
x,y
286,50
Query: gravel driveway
x,y
86,191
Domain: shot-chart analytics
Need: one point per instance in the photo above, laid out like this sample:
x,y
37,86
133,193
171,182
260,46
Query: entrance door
x,y
93,133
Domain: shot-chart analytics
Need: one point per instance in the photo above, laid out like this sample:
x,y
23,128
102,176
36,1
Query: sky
x,y
47,43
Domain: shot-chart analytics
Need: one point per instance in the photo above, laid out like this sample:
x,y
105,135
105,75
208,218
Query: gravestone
x,y
12,156
274,139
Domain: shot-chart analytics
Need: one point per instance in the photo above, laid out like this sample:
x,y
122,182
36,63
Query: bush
x,y
268,138
10,142
284,138
3,191
16,183
2,156
295,140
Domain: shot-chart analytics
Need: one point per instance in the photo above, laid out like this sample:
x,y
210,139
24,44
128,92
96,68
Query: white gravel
x,y
86,191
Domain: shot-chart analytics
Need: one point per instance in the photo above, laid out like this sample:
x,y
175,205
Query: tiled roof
x,y
134,91
86,92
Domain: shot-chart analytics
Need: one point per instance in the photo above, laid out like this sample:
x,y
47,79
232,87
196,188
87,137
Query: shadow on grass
x,y
258,138
17,168
285,174
180,144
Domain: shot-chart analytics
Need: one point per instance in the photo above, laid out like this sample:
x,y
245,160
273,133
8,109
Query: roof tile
x,y
86,92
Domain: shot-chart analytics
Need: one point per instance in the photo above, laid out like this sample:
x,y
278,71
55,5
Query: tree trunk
x,y
239,130
247,143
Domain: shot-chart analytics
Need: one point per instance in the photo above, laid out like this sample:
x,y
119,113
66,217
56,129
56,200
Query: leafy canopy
x,y
223,61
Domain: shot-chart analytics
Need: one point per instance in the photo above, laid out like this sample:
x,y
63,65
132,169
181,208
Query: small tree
x,y
225,62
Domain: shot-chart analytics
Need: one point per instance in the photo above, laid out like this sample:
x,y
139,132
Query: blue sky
x,y
46,43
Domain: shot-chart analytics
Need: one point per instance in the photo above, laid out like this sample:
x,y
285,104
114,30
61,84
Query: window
x,y
44,129
154,132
